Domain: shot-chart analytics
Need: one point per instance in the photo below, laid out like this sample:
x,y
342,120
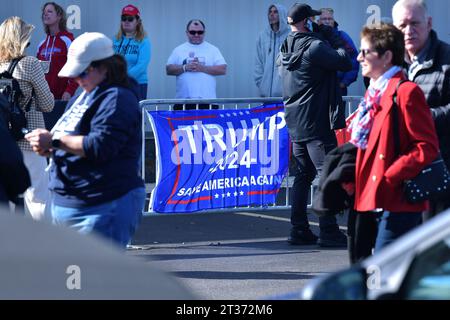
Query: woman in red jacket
x,y
53,50
380,172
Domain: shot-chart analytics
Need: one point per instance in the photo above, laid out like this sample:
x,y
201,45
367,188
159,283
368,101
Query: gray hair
x,y
410,4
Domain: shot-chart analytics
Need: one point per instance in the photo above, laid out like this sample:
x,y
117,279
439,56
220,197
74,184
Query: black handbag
x,y
433,181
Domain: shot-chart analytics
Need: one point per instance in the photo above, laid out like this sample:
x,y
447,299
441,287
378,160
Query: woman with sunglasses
x,y
95,146
380,169
52,51
132,42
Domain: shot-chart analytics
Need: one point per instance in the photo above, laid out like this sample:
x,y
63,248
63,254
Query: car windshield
x,y
429,276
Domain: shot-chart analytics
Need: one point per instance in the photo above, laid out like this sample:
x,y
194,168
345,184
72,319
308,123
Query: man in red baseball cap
x,y
131,10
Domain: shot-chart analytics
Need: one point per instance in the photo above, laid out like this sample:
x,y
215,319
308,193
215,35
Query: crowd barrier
x,y
149,152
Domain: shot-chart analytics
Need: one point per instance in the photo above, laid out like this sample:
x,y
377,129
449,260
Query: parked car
x,y
415,267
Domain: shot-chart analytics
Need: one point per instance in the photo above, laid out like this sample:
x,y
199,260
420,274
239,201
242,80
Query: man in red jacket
x,y
52,51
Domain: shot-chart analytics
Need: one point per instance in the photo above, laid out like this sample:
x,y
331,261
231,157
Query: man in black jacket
x,y
428,65
308,64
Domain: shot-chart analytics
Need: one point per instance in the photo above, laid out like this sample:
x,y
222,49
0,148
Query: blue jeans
x,y
310,157
392,225
116,220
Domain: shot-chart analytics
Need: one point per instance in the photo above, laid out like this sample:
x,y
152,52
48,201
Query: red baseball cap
x,y
130,10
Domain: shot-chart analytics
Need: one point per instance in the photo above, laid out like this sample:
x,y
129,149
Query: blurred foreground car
x,y
415,267
40,261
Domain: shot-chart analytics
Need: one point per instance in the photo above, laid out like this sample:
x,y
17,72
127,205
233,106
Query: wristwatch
x,y
56,143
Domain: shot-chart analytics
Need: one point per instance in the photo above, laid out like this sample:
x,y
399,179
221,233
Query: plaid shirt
x,y
30,76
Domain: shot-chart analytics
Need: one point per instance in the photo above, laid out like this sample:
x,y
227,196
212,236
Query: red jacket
x,y
379,171
54,49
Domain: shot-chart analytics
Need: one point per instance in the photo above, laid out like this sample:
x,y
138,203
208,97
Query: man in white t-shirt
x,y
196,63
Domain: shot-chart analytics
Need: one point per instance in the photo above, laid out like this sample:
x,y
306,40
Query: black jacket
x,y
338,167
14,177
308,66
434,80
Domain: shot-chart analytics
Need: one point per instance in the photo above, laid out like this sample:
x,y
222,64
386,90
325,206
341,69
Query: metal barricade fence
x,y
149,152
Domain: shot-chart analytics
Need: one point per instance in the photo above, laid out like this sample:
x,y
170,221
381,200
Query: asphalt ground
x,y
234,256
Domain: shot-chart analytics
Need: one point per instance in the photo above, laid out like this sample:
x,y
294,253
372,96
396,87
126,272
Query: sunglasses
x,y
365,52
127,18
85,73
193,33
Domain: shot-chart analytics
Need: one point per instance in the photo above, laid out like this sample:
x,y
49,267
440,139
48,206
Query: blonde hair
x,y
140,32
15,35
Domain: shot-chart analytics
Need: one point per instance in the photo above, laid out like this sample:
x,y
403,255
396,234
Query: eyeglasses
x,y
365,52
193,33
128,18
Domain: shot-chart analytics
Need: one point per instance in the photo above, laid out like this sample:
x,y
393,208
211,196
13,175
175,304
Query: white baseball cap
x,y
89,47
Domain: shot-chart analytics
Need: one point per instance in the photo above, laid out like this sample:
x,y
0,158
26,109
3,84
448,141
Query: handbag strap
x,y
10,71
395,118
13,65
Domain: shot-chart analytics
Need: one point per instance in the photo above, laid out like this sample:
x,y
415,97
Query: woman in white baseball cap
x,y
96,145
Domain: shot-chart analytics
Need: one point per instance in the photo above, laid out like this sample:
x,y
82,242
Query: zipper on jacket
x,y
273,65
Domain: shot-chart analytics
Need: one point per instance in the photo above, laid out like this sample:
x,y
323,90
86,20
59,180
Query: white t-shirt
x,y
196,85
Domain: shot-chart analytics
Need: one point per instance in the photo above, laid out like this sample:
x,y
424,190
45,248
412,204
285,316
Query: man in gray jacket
x,y
308,64
428,65
268,46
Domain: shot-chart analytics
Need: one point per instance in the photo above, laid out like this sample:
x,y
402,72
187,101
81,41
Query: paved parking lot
x,y
230,256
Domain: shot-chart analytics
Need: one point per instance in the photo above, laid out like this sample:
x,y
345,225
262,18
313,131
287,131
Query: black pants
x,y
309,157
362,233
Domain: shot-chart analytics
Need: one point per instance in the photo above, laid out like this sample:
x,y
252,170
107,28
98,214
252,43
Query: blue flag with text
x,y
213,159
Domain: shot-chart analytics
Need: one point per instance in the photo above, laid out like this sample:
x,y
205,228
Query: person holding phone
x,y
95,147
308,67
